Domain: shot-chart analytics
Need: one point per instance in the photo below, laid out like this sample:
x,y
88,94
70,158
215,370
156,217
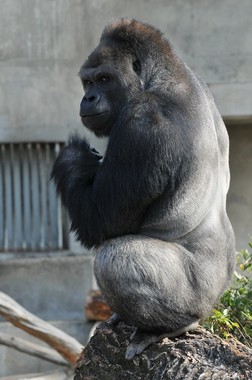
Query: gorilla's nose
x,y
93,98
88,104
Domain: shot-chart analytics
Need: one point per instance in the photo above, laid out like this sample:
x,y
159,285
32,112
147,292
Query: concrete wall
x,y
51,286
240,193
42,46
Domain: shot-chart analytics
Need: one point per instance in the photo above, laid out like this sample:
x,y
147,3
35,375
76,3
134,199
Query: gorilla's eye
x,y
87,82
104,78
137,66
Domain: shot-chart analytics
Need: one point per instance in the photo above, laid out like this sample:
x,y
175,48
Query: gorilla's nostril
x,y
91,99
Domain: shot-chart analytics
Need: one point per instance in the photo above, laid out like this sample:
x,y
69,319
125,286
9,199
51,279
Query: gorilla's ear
x,y
137,66
138,69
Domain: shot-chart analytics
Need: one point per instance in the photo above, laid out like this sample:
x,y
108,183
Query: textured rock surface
x,y
197,355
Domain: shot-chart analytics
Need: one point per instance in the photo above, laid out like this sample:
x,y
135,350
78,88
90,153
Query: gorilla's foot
x,y
140,340
114,319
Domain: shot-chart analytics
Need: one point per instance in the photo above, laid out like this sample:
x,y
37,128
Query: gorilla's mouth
x,y
99,123
94,115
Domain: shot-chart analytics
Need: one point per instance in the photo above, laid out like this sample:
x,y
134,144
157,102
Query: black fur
x,y
155,207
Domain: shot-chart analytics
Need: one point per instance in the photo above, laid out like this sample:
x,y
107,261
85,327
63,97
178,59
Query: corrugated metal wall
x,y
30,212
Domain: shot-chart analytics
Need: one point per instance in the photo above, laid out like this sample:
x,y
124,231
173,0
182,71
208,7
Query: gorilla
x,y
155,205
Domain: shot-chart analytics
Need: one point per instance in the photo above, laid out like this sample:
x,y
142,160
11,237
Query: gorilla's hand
x,y
76,165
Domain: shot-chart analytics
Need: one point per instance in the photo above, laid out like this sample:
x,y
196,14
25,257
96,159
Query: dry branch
x,y
66,346
96,308
33,349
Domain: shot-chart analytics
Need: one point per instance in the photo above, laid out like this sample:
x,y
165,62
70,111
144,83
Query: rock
x,y
197,355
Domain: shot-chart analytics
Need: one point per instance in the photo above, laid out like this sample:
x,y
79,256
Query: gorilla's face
x,y
97,109
108,87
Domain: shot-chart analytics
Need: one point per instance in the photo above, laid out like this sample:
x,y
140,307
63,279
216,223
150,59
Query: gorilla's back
x,y
193,214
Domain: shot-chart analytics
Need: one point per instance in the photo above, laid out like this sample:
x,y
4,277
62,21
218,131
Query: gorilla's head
x,y
125,62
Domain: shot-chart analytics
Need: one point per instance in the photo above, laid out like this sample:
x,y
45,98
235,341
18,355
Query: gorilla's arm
x,y
75,166
109,199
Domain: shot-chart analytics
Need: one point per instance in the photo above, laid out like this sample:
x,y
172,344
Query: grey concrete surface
x,y
53,286
43,44
240,193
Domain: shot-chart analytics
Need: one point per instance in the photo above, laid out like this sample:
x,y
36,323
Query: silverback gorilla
x,y
155,206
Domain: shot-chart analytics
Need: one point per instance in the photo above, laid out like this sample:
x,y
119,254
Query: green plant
x,y
233,315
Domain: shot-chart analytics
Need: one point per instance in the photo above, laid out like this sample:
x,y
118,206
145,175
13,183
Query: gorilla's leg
x,y
154,285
